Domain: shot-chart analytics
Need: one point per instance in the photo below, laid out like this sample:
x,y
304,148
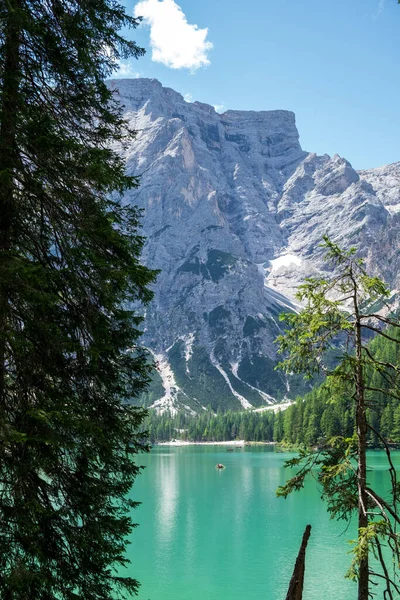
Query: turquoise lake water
x,y
224,535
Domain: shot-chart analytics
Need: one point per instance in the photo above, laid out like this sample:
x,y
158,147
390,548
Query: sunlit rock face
x,y
234,213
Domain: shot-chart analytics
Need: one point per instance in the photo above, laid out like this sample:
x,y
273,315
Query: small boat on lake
x,y
220,466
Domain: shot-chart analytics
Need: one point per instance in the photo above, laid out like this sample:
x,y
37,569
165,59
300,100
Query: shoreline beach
x,y
224,443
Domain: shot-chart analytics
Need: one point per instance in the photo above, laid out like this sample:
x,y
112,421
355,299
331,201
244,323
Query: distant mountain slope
x,y
234,214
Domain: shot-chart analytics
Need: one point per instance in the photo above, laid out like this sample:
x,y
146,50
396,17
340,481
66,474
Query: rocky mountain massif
x,y
234,212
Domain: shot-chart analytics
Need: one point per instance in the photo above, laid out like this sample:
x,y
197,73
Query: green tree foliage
x,y
69,275
211,427
383,414
339,314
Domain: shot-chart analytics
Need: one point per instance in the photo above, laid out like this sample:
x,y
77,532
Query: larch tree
x,y
340,313
70,274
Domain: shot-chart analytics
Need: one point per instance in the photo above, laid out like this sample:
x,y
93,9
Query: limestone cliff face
x,y
234,212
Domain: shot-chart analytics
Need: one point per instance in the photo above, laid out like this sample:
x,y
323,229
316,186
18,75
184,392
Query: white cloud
x,y
188,98
220,108
174,42
126,70
381,6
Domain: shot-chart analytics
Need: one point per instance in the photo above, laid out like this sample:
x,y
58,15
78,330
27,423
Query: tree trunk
x,y
361,427
8,158
295,591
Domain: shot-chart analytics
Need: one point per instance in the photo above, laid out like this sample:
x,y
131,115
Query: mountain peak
x,y
234,214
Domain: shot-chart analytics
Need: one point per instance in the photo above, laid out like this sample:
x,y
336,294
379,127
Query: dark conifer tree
x,y
69,273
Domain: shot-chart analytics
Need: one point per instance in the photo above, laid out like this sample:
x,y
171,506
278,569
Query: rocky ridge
x,y
234,212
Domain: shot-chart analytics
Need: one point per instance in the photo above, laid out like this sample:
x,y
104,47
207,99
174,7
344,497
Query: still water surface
x,y
224,535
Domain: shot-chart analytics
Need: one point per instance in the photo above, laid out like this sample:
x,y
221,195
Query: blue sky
x,y
335,64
